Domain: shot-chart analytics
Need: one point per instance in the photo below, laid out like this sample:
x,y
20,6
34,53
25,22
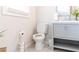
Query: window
x,y
16,11
63,9
63,12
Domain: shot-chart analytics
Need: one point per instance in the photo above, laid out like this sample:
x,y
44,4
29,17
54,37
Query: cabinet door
x,y
73,31
59,31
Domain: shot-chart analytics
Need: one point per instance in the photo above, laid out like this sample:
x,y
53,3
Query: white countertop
x,y
66,22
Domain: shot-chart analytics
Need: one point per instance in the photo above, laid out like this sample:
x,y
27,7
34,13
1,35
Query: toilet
x,y
39,37
39,41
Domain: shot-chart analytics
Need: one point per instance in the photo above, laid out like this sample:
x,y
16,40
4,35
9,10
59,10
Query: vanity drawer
x,y
59,31
73,31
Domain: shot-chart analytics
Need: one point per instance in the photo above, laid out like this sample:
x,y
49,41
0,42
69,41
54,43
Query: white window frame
x,y
7,11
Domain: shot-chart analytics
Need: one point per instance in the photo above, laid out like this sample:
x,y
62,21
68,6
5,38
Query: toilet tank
x,y
42,28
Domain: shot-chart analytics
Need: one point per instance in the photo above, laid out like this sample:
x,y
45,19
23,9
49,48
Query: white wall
x,y
32,26
14,25
45,15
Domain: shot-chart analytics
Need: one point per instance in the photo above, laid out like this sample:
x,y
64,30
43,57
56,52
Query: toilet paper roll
x,y
21,41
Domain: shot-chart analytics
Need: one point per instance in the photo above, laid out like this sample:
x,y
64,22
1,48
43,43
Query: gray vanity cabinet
x,y
66,36
66,31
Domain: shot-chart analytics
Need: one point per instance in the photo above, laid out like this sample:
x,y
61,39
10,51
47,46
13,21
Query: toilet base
x,y
39,45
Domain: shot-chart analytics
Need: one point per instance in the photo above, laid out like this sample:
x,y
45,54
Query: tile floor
x,y
43,50
32,49
59,50
46,49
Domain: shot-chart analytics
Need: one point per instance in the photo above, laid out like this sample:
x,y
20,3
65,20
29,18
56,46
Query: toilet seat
x,y
38,36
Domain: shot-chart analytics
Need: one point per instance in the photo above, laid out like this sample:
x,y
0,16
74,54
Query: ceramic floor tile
x,y
43,50
32,49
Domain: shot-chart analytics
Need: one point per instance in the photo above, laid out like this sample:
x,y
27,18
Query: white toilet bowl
x,y
39,40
